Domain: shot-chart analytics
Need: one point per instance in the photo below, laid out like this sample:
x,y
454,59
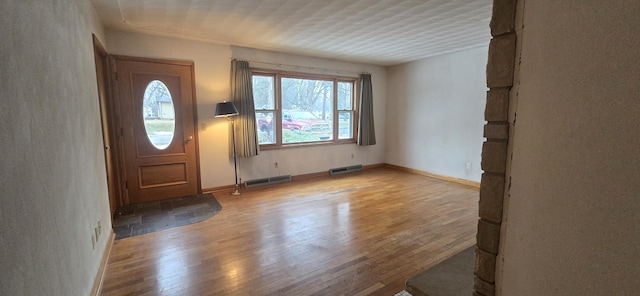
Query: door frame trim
x,y
120,140
109,119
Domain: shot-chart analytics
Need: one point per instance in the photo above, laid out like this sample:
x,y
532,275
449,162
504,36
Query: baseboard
x,y
219,188
436,176
97,283
373,166
365,167
293,178
309,176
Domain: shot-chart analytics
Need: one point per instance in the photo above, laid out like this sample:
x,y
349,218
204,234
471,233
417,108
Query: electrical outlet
x,y
275,165
203,126
469,165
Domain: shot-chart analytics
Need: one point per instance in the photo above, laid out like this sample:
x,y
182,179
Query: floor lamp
x,y
228,110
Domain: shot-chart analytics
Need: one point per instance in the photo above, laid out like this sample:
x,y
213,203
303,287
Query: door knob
x,y
189,138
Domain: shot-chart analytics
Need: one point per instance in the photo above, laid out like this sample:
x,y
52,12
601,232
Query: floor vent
x,y
345,170
267,181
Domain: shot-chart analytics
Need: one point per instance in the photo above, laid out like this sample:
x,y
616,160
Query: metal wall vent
x,y
345,170
267,181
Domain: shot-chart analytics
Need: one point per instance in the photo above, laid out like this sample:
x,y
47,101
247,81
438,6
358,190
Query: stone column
x,y
500,73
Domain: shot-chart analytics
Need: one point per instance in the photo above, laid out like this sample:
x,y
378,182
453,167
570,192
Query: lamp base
x,y
237,192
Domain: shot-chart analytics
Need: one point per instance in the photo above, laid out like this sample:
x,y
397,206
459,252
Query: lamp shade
x,y
225,109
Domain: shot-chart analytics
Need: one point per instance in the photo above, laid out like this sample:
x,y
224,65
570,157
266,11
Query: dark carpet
x,y
154,216
453,276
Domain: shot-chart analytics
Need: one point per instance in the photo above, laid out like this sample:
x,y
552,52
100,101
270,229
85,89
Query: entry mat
x,y
154,216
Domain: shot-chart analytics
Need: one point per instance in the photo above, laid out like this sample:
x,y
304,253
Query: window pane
x,y
263,92
306,106
345,125
266,127
345,96
159,115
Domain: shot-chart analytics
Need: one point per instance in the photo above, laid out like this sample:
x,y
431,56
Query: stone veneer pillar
x,y
500,73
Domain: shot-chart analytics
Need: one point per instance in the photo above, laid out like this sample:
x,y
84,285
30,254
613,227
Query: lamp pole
x,y
228,110
235,157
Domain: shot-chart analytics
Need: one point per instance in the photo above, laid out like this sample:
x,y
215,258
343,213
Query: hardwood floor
x,y
358,234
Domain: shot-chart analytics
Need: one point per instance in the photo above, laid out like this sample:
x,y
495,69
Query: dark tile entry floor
x,y
154,216
453,276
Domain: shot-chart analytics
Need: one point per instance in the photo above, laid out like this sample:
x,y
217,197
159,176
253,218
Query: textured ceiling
x,y
383,32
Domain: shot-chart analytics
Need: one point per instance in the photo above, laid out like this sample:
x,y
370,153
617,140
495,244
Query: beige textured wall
x,y
572,220
52,179
436,108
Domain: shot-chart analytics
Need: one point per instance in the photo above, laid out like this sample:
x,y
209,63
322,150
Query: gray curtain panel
x,y
242,96
366,132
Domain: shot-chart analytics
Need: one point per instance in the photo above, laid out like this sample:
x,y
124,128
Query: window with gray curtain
x,y
242,96
367,132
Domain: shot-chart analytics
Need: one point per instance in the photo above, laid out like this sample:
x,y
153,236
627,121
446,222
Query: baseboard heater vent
x,y
267,181
345,170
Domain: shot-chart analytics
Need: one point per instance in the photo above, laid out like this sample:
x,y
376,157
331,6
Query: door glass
x,y
159,114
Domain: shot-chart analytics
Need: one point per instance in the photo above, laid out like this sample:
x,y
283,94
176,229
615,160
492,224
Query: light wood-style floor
x,y
358,234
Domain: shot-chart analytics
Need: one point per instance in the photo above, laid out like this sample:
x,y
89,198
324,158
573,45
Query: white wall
x,y
52,180
212,64
572,221
436,113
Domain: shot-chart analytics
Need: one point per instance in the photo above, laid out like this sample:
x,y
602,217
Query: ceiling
x,y
382,32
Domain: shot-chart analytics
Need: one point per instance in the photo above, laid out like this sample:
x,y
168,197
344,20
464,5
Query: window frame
x,y
335,79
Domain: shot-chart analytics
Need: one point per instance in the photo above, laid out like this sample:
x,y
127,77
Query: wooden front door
x,y
158,128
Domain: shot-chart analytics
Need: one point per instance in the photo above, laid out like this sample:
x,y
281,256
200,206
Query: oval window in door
x,y
159,114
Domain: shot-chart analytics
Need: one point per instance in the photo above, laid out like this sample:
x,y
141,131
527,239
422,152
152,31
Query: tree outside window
x,y
301,108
